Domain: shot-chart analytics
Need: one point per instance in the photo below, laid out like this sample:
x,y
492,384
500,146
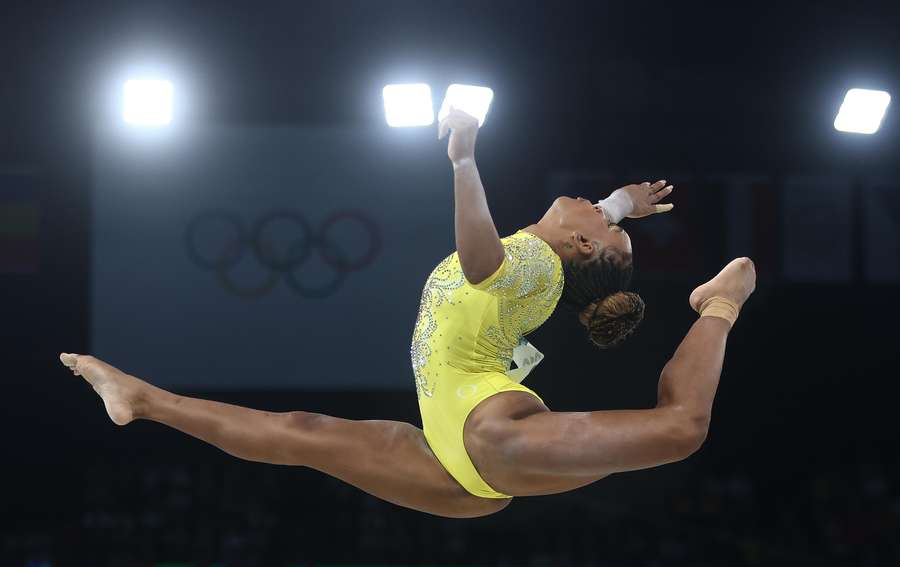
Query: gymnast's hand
x,y
646,198
636,201
463,130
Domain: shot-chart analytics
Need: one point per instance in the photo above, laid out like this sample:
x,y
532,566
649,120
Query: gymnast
x,y
485,437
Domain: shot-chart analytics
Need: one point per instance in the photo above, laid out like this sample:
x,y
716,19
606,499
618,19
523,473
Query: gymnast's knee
x,y
688,432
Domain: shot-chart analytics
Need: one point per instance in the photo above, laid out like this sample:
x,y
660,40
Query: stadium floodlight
x,y
470,99
408,105
147,102
862,111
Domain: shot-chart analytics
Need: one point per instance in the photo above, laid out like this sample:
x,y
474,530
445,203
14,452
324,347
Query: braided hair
x,y
595,289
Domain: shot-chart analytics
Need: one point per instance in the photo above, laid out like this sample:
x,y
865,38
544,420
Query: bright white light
x,y
470,99
147,102
408,105
862,111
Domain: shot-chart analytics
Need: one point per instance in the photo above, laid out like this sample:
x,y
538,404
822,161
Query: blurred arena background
x,y
107,246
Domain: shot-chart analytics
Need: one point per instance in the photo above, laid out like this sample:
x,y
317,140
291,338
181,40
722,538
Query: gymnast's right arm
x,y
636,201
478,245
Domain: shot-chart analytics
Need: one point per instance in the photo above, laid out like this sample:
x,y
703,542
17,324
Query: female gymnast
x,y
485,437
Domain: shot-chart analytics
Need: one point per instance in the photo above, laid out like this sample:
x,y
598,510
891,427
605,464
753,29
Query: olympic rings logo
x,y
282,255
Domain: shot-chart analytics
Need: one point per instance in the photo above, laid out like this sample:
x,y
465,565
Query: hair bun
x,y
612,318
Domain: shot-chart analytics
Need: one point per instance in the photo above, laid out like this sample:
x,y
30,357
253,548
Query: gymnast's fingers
x,y
662,194
443,127
663,208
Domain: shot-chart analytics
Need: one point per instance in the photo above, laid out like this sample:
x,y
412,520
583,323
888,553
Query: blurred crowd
x,y
239,514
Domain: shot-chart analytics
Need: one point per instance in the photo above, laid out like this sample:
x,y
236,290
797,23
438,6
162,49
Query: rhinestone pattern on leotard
x,y
442,280
526,294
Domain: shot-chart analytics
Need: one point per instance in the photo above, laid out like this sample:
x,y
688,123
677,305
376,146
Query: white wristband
x,y
617,206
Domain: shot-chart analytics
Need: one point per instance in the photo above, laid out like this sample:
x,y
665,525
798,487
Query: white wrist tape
x,y
617,206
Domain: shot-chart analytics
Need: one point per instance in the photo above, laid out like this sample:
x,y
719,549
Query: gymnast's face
x,y
586,226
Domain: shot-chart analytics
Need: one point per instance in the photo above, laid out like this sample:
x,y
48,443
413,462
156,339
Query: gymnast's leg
x,y
522,452
387,459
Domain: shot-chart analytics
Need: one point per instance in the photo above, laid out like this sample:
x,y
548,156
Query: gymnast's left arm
x,y
478,245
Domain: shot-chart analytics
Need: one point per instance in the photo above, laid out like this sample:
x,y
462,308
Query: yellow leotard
x,y
464,338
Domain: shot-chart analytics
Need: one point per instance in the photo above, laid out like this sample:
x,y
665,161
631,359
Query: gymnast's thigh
x,y
393,461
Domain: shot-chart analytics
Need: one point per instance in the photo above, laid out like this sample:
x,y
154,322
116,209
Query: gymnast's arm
x,y
478,245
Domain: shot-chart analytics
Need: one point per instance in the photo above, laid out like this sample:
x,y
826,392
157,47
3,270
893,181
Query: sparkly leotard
x,y
462,345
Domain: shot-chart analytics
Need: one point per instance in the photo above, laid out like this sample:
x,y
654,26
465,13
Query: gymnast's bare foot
x,y
120,392
736,282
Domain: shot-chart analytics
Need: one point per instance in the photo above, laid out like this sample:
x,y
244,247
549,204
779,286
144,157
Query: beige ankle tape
x,y
720,307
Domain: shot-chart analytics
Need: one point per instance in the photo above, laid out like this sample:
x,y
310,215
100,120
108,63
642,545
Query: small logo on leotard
x,y
466,390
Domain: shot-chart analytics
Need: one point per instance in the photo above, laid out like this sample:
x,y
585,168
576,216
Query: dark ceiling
x,y
745,85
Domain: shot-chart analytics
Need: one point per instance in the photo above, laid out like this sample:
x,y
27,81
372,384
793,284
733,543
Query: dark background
x,y
801,462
